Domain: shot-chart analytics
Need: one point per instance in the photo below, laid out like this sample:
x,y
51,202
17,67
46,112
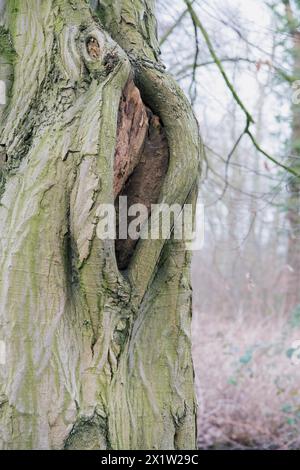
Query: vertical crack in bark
x,y
141,161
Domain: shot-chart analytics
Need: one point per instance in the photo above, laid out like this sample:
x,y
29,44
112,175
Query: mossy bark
x,y
95,358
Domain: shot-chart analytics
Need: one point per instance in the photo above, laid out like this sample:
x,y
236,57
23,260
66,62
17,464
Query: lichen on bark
x,y
95,358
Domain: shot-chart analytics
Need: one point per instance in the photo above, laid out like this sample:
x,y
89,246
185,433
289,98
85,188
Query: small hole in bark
x,y
110,61
141,161
93,48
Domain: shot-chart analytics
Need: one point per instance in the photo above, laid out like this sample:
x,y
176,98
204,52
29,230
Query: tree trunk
x,y
96,357
293,203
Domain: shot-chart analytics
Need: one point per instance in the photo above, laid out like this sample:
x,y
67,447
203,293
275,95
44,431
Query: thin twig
x,y
249,117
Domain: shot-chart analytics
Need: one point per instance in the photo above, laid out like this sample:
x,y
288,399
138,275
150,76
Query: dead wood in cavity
x,y
132,130
141,161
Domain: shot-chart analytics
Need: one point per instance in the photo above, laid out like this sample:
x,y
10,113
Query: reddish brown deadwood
x,y
141,160
132,130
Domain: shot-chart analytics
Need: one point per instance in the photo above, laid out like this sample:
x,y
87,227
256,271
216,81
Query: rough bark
x,y
96,358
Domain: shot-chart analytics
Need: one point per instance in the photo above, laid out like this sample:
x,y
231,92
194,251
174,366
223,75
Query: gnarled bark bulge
x,y
95,357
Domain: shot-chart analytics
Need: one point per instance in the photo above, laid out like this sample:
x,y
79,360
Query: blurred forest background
x,y
238,60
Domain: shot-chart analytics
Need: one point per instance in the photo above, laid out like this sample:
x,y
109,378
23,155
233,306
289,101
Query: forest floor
x,y
248,380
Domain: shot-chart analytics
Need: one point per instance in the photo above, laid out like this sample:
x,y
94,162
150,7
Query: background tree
x,y
293,204
96,357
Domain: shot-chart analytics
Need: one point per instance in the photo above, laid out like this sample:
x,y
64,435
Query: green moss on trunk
x,y
94,359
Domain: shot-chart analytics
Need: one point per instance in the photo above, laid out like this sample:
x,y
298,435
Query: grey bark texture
x,y
95,358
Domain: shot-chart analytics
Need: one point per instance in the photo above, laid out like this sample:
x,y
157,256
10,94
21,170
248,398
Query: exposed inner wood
x,y
141,161
133,125
93,48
